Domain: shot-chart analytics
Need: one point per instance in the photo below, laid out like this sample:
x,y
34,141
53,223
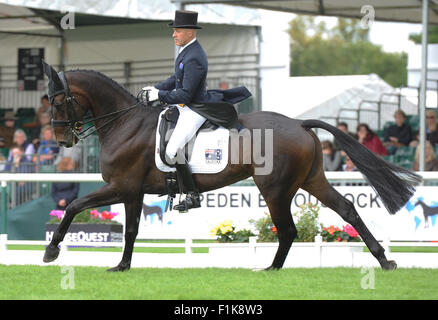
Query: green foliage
x,y
306,222
342,50
432,35
267,232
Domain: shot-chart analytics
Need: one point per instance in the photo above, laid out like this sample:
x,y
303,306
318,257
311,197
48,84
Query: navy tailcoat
x,y
188,86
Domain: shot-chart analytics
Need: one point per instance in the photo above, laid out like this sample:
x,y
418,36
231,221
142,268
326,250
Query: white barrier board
x,y
243,203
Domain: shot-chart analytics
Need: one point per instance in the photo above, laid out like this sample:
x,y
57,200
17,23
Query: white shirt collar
x,y
182,48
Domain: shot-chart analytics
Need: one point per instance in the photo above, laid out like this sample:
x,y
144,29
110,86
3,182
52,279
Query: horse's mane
x,y
112,82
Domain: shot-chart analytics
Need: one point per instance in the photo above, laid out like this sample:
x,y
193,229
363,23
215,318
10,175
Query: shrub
x,y
226,232
307,223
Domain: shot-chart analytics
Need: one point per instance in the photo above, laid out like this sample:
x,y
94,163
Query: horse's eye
x,y
58,105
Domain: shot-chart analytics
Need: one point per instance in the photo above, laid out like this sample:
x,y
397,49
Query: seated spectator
x,y
18,164
431,127
431,162
399,134
332,159
3,150
20,140
44,108
370,140
343,126
349,165
48,148
7,131
63,193
35,131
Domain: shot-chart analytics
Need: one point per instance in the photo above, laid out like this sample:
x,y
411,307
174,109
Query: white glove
x,y
153,92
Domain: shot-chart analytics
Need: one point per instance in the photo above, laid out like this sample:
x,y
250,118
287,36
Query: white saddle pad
x,y
209,154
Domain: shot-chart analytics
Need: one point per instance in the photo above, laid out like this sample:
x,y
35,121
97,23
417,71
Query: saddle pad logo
x,y
213,155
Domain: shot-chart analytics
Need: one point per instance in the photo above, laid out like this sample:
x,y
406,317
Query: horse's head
x,y
66,110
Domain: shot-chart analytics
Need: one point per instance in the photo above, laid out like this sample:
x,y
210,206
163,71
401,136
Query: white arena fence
x,y
247,255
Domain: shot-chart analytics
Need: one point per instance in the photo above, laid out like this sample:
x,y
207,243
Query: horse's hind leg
x,y
322,190
279,203
132,216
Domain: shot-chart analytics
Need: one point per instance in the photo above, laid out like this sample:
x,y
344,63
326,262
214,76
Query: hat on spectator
x,y
9,115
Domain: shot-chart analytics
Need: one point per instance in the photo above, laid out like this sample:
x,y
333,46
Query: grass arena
x,y
54,282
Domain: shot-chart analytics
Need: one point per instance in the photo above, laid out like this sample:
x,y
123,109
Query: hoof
x,y
51,254
120,267
272,268
389,265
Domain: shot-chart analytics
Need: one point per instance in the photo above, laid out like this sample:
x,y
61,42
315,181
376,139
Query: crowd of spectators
x,y
29,146
395,136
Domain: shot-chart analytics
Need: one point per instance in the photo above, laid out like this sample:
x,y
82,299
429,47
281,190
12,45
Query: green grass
x,y
34,282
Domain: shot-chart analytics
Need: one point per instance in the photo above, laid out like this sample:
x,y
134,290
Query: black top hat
x,y
185,19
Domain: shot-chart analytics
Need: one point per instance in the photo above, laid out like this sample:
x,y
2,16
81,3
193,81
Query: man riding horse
x,y
186,89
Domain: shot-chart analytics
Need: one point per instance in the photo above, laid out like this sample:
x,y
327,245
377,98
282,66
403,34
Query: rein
x,y
74,123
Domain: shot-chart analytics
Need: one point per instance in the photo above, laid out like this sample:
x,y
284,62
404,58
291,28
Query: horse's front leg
x,y
132,217
104,196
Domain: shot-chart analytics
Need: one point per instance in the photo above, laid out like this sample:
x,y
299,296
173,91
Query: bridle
x,y
73,122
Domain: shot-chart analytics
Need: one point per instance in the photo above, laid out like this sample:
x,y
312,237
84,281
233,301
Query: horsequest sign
x,y
80,232
243,203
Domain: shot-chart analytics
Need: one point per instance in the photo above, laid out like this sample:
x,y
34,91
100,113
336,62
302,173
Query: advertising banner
x,y
417,220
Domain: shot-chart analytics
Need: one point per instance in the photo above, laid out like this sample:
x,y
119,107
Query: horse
x,y
127,163
427,211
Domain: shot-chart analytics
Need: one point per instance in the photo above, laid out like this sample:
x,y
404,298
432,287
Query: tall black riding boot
x,y
192,198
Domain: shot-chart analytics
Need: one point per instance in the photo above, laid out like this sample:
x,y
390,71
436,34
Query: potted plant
x,y
88,226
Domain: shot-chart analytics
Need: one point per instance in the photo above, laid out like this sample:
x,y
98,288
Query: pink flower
x,y
350,231
94,213
57,213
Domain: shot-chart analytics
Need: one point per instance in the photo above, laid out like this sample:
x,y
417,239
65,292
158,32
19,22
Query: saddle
x,y
168,122
167,125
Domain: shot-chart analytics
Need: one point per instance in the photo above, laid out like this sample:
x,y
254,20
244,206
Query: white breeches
x,y
188,123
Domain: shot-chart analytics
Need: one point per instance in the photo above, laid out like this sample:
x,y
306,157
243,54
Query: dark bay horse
x,y
128,166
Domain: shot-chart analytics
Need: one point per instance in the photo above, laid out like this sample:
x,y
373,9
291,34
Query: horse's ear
x,y
55,83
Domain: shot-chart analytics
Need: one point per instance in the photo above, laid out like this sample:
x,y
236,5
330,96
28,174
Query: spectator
x,y
399,134
3,150
18,164
63,193
20,140
431,162
332,159
35,131
48,148
343,126
7,131
370,140
431,127
349,165
44,108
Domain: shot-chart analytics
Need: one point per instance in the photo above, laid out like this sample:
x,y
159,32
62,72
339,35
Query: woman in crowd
x,y
332,159
399,134
431,162
48,148
370,140
20,140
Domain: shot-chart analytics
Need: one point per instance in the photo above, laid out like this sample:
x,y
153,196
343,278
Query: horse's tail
x,y
393,184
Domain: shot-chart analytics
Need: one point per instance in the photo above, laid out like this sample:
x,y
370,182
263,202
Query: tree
x,y
342,50
432,35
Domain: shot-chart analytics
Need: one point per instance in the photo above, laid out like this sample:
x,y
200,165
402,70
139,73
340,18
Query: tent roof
x,y
385,10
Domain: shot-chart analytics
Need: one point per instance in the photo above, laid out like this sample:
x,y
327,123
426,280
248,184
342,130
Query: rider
x,y
188,85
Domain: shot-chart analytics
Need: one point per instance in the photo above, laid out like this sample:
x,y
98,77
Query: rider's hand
x,y
153,93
